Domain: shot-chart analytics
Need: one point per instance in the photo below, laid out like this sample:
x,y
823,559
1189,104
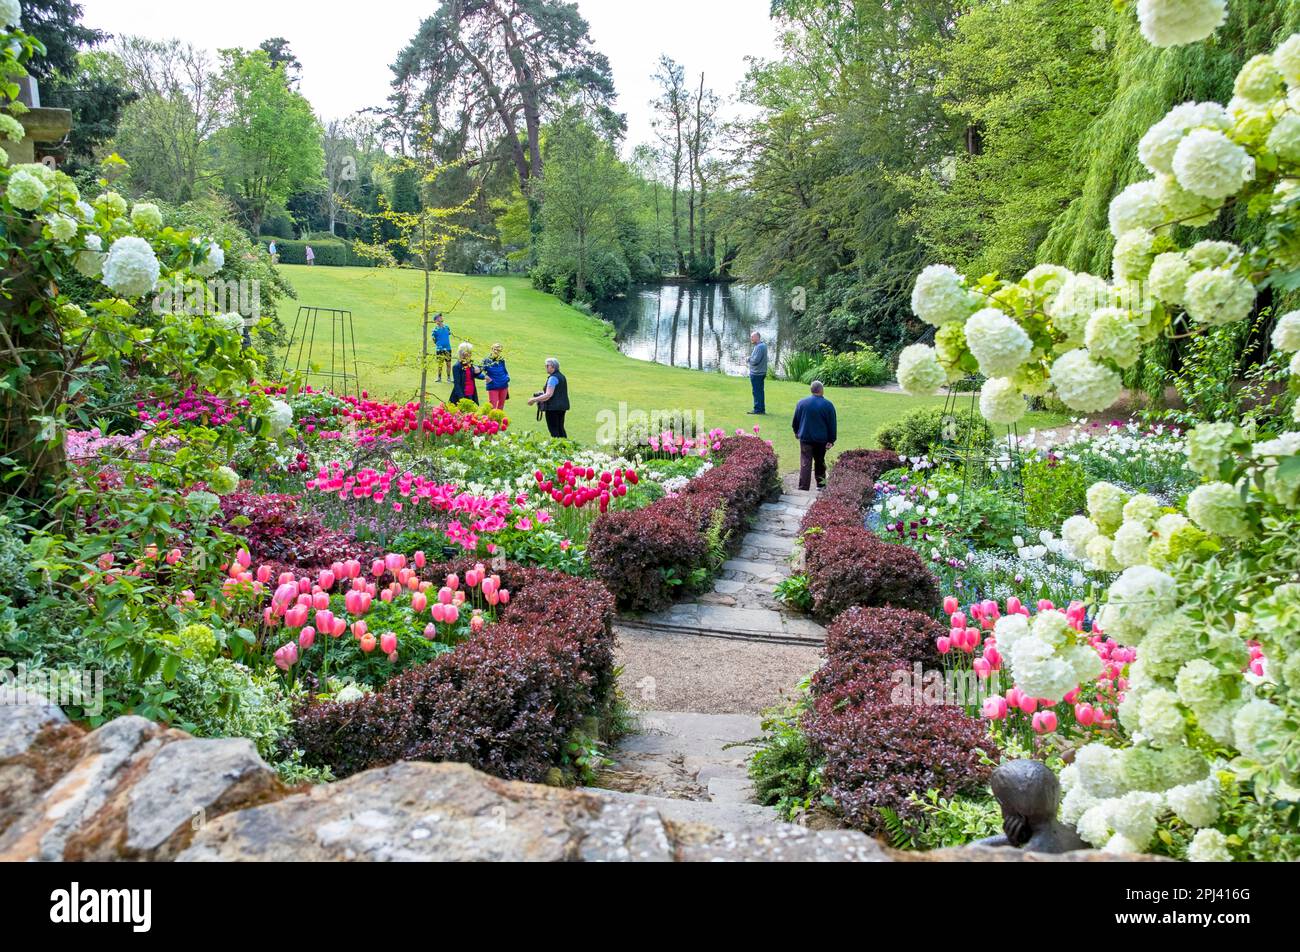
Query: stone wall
x,y
133,790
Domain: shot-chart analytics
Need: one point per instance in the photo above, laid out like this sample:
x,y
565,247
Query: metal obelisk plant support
x,y
305,340
976,460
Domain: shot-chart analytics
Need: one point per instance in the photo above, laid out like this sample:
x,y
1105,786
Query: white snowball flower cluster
x,y
131,268
1219,509
1209,846
1286,333
919,371
1168,277
1259,81
1001,402
1287,60
89,261
1257,727
1137,207
1112,335
280,418
1083,384
1160,143
62,227
232,323
997,342
11,128
1209,164
1208,445
1183,207
1047,658
146,215
11,13
1135,600
940,296
1078,297
1218,296
25,191
1284,139
1167,23
1133,255
214,262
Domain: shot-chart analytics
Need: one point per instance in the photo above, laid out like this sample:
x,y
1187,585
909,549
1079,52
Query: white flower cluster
x,y
940,296
1168,23
11,13
131,268
919,371
279,417
1046,657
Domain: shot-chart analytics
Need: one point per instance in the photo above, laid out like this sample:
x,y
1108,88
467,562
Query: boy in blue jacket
x,y
442,346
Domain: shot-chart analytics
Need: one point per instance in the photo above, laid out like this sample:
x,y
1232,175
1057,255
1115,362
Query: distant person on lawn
x,y
441,346
554,400
758,373
498,379
464,374
814,427
311,255
274,252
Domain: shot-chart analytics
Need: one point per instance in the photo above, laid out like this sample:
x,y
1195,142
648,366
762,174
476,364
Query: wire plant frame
x,y
979,463
318,348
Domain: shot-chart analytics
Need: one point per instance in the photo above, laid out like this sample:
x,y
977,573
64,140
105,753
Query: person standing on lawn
x,y
554,400
441,346
498,379
310,254
464,374
758,373
814,428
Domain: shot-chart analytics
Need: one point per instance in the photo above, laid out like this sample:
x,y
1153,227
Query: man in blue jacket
x,y
814,427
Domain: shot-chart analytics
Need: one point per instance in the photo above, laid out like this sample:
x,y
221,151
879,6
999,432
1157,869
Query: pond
x,y
703,326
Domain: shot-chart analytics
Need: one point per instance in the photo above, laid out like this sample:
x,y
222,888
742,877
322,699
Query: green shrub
x,y
863,367
918,431
800,366
1054,491
330,252
784,769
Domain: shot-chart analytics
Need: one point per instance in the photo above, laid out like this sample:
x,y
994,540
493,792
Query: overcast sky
x,y
346,47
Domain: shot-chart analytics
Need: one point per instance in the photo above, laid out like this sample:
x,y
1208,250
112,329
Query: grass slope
x,y
386,307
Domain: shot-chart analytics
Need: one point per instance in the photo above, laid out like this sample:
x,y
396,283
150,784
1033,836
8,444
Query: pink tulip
x,y
325,620
306,638
377,568
286,656
982,668
995,708
451,613
439,612
476,623
320,601
504,595
471,578
340,626
1045,605
264,573
944,644
1045,722
420,560
394,561
1085,714
430,631
1028,704
388,642
419,602
243,558
359,629
367,643
296,617
445,595
951,606
453,581
386,595
174,556
957,620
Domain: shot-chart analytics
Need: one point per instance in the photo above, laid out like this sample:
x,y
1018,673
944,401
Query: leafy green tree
x,y
270,145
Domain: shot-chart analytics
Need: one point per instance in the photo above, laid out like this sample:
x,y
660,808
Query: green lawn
x,y
386,307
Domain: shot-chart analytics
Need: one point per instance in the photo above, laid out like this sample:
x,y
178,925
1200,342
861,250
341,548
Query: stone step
x,y
724,621
727,817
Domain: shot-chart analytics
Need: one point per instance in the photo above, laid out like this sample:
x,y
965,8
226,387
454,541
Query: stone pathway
x,y
701,672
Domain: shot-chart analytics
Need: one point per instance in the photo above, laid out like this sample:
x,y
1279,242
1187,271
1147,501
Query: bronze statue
x,y
1029,795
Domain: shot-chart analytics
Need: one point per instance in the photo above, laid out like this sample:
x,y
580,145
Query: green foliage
x,y
783,768
1054,491
860,367
794,592
944,822
917,433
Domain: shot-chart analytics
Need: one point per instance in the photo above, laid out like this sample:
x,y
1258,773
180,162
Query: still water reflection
x,y
701,326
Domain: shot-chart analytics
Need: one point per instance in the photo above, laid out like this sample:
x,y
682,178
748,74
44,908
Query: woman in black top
x,y
554,400
463,375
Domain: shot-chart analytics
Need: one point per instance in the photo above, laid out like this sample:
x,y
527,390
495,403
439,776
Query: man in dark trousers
x,y
758,373
814,427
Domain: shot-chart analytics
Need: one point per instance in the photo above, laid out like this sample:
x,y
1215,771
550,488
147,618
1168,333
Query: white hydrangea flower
x,y
146,215
1284,140
1133,254
1181,206
1078,531
1167,23
1295,366
1137,207
1209,846
1199,683
1094,824
214,262
1209,164
224,481
11,128
1101,770
1039,670
1286,333
1218,508
1257,727
1143,509
1052,628
940,296
1009,629
231,323
1133,817
1287,60
1157,148
280,417
131,268
113,203
11,13
1121,845
919,371
1083,384
1047,279
1135,601
25,191
1170,523
1161,718
1168,277
1259,80
1001,402
997,342
1112,335
1101,553
85,210
1131,543
62,227
1218,296
1075,803
1106,503
1079,296
1213,254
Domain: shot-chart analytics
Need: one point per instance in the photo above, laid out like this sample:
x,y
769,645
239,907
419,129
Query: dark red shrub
x,y
877,754
850,566
277,531
504,702
871,463
908,635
